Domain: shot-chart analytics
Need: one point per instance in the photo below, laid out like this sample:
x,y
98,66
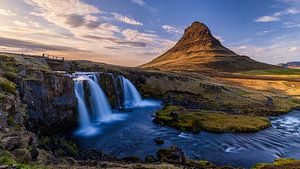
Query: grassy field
x,y
218,122
286,71
282,163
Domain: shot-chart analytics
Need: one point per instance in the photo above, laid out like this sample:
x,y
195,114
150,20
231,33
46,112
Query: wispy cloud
x,y
6,12
35,46
139,2
117,41
173,29
277,15
265,32
290,25
220,38
126,19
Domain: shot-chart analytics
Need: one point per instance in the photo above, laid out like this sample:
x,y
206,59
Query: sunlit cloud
x,y
267,19
126,19
6,12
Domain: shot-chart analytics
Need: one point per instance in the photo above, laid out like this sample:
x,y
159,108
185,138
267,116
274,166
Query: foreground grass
x,y
218,122
282,163
282,71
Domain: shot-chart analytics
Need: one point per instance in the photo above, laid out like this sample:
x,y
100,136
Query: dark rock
x,y
13,142
22,155
159,140
131,160
3,120
150,159
172,154
51,102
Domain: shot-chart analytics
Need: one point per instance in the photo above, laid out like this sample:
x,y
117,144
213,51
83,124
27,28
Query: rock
x,y
131,159
3,120
172,154
150,159
22,155
159,141
13,142
51,102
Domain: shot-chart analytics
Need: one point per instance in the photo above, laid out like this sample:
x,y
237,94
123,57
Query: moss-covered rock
x,y
195,120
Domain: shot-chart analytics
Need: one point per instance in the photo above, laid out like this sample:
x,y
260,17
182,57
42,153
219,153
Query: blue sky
x,y
132,32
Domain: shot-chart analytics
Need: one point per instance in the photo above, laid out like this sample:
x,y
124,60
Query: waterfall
x,y
85,125
95,114
101,111
101,106
132,97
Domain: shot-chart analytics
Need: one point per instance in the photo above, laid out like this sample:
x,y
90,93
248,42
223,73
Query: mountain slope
x,y
198,50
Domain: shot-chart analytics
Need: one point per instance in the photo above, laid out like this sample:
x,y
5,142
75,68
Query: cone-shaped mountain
x,y
199,50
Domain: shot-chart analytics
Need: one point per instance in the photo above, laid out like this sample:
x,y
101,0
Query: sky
x,y
133,32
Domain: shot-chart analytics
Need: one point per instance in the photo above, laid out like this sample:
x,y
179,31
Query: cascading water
x,y
101,109
101,106
132,97
85,125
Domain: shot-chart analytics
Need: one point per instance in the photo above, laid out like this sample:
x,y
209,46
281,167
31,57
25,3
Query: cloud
x,y
293,49
125,19
34,46
220,38
139,2
277,50
74,20
267,19
20,23
68,14
290,25
265,32
276,16
117,41
172,29
6,12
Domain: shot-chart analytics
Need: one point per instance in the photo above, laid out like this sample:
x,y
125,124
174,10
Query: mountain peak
x,y
197,27
199,50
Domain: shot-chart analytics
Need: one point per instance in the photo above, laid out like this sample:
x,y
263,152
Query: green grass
x,y
218,122
281,163
7,85
283,71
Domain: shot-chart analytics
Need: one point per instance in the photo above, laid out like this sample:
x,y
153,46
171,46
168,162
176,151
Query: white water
x,y
101,111
132,97
85,125
101,106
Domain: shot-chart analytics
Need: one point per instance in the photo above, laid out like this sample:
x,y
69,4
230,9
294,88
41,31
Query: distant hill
x,y
293,65
199,50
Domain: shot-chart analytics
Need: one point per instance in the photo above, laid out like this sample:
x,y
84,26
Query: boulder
x,y
159,141
172,154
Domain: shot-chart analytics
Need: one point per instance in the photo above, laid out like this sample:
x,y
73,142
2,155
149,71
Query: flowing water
x,y
134,133
135,137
